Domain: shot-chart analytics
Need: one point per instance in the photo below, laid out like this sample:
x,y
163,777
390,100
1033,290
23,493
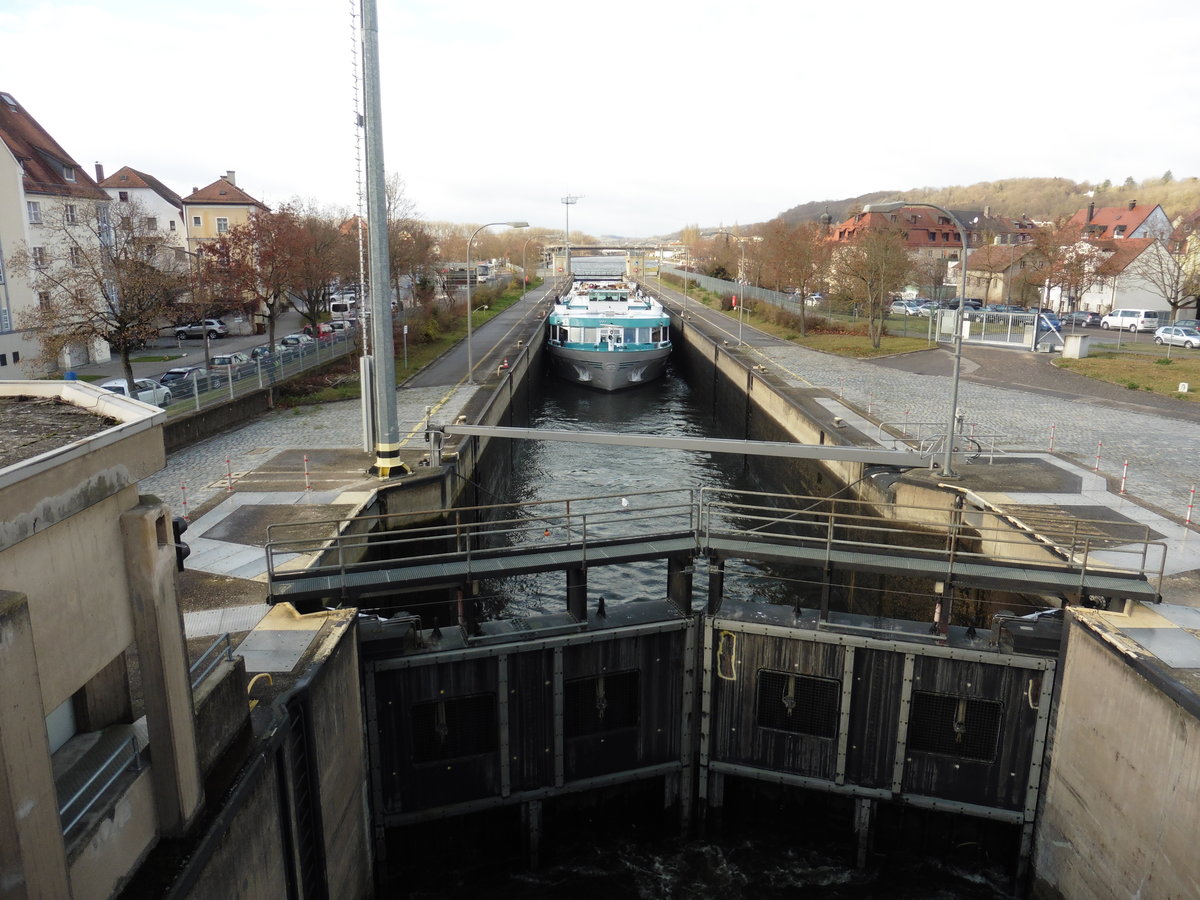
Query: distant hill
x,y
1039,198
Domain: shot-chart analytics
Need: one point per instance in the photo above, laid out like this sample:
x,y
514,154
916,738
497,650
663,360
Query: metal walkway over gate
x,y
369,558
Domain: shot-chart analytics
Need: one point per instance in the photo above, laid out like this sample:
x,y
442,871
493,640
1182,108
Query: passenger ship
x,y
608,335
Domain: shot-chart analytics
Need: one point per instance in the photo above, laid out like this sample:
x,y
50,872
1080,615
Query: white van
x,y
1131,320
343,308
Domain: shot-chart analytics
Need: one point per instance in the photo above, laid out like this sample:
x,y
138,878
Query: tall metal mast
x,y
569,201
387,428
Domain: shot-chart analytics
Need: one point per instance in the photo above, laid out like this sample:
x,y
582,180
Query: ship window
x,y
603,703
448,729
955,726
802,704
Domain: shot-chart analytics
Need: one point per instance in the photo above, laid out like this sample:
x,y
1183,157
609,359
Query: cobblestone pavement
x,y
201,468
1159,447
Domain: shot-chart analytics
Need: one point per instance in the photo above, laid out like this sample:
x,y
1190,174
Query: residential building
x,y
212,210
1118,222
1124,273
42,191
161,207
1005,274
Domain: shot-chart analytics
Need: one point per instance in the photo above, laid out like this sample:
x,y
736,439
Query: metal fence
x,y
195,394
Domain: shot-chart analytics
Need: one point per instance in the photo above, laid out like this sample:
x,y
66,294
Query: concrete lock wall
x,y
1120,816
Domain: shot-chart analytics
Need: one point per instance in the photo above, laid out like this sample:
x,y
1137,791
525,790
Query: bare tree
x,y
872,266
99,281
1164,274
796,257
256,264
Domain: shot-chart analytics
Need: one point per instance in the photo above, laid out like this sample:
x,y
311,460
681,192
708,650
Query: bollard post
x,y
1124,475
307,483
1099,446
229,473
1187,523
1053,426
183,490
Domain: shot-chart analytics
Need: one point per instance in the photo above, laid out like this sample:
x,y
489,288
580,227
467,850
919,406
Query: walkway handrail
x,y
127,748
972,533
197,672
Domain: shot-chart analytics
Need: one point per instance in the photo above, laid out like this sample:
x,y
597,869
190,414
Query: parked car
x,y
1082,318
905,308
1047,321
214,328
299,341
232,365
1177,337
324,331
344,327
186,379
1131,320
1187,323
143,389
967,304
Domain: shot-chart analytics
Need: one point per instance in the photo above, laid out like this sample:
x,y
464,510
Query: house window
x,y
1119,231
35,212
69,214
222,225
195,221
123,196
126,222
3,359
151,223
69,173
171,225
76,255
39,257
44,299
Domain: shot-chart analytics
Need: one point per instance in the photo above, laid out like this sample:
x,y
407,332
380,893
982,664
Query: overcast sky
x,y
659,113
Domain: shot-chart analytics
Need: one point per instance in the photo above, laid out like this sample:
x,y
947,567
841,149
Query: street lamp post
x,y
741,269
471,240
524,271
948,458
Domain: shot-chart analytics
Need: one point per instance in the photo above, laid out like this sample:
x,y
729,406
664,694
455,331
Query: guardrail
x,y
927,438
204,664
471,531
89,793
963,533
219,387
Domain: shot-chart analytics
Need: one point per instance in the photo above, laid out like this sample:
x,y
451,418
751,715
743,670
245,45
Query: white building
x,y
39,183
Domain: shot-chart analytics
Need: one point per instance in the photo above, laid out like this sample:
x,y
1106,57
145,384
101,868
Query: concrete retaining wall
x,y
222,711
1120,816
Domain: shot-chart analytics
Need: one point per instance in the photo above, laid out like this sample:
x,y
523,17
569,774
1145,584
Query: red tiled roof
x,y
223,191
1105,220
125,177
43,160
1121,253
997,257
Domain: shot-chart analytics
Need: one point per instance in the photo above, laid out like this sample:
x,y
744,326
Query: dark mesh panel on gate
x,y
802,704
954,726
602,703
447,729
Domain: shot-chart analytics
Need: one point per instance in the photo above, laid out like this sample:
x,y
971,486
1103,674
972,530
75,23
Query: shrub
x,y
1132,385
1164,362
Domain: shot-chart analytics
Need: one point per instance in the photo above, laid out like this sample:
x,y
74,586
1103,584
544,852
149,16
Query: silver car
x,y
1177,337
143,389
